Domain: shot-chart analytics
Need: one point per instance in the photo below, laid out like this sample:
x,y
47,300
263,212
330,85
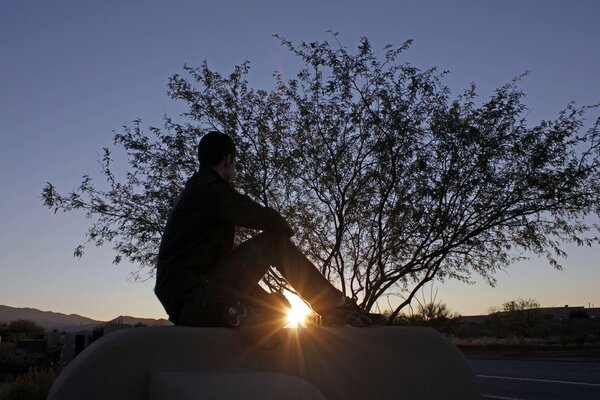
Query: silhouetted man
x,y
203,280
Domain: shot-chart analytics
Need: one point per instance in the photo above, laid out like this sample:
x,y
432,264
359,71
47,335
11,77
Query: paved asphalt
x,y
537,380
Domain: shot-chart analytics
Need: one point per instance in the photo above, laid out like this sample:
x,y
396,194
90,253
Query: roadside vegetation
x,y
25,375
518,328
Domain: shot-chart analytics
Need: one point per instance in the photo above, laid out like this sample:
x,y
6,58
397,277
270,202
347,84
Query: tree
x,y
388,181
21,329
520,318
13,361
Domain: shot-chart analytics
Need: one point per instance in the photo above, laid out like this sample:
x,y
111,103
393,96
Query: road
x,y
537,380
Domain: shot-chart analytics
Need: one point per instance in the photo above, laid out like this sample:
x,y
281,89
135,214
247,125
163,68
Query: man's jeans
x,y
237,276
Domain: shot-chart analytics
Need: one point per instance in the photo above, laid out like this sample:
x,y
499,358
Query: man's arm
x,y
241,210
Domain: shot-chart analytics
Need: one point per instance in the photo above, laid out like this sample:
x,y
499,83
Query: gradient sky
x,y
71,72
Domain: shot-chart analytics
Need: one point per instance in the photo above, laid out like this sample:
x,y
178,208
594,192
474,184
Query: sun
x,y
298,313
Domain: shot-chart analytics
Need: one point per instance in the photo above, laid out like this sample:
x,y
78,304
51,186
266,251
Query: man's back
x,y
194,237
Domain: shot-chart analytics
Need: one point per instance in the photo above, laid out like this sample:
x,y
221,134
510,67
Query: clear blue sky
x,y
71,72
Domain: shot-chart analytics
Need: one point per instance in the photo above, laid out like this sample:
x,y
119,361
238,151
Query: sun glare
x,y
298,313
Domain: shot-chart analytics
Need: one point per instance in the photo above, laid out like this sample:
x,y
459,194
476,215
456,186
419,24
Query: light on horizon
x,y
298,313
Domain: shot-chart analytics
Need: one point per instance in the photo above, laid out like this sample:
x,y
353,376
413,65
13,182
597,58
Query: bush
x,y
519,318
463,331
581,339
14,362
466,330
578,314
21,329
33,385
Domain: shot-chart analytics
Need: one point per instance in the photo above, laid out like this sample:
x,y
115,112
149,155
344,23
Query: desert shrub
x,y
21,329
35,384
469,330
14,362
574,339
579,314
464,331
564,339
580,340
519,318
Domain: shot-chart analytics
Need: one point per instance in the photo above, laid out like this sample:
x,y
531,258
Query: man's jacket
x,y
200,230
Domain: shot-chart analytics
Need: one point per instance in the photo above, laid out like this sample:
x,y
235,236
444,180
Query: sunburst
x,y
298,313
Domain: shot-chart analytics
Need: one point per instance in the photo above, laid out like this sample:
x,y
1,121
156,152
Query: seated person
x,y
203,280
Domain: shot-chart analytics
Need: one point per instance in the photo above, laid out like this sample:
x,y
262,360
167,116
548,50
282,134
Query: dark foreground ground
x,y
541,353
537,380
537,373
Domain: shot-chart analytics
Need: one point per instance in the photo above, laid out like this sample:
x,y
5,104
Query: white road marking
x,y
539,380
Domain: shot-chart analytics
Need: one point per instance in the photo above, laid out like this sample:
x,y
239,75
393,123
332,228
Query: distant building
x,y
75,343
562,312
114,325
557,313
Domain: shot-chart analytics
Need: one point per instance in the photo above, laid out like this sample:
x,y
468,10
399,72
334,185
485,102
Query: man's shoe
x,y
350,314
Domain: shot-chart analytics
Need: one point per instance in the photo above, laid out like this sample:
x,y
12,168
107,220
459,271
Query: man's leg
x,y
275,302
334,308
241,270
246,264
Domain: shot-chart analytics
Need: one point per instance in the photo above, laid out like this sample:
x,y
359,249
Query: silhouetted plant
x,y
14,362
521,318
428,312
21,329
579,314
35,384
389,182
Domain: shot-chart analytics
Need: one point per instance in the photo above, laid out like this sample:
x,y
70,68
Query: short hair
x,y
213,148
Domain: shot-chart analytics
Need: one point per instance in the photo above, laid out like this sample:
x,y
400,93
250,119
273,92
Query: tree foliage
x,y
14,362
389,181
520,318
21,329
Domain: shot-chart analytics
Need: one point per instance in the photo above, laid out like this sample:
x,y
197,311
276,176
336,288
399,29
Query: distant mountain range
x,y
63,322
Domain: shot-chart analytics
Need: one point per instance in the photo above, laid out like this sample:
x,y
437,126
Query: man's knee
x,y
275,238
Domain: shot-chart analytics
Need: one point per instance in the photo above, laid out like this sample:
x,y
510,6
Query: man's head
x,y
217,151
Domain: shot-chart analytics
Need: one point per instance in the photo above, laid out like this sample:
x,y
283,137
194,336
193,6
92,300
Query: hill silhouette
x,y
72,322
